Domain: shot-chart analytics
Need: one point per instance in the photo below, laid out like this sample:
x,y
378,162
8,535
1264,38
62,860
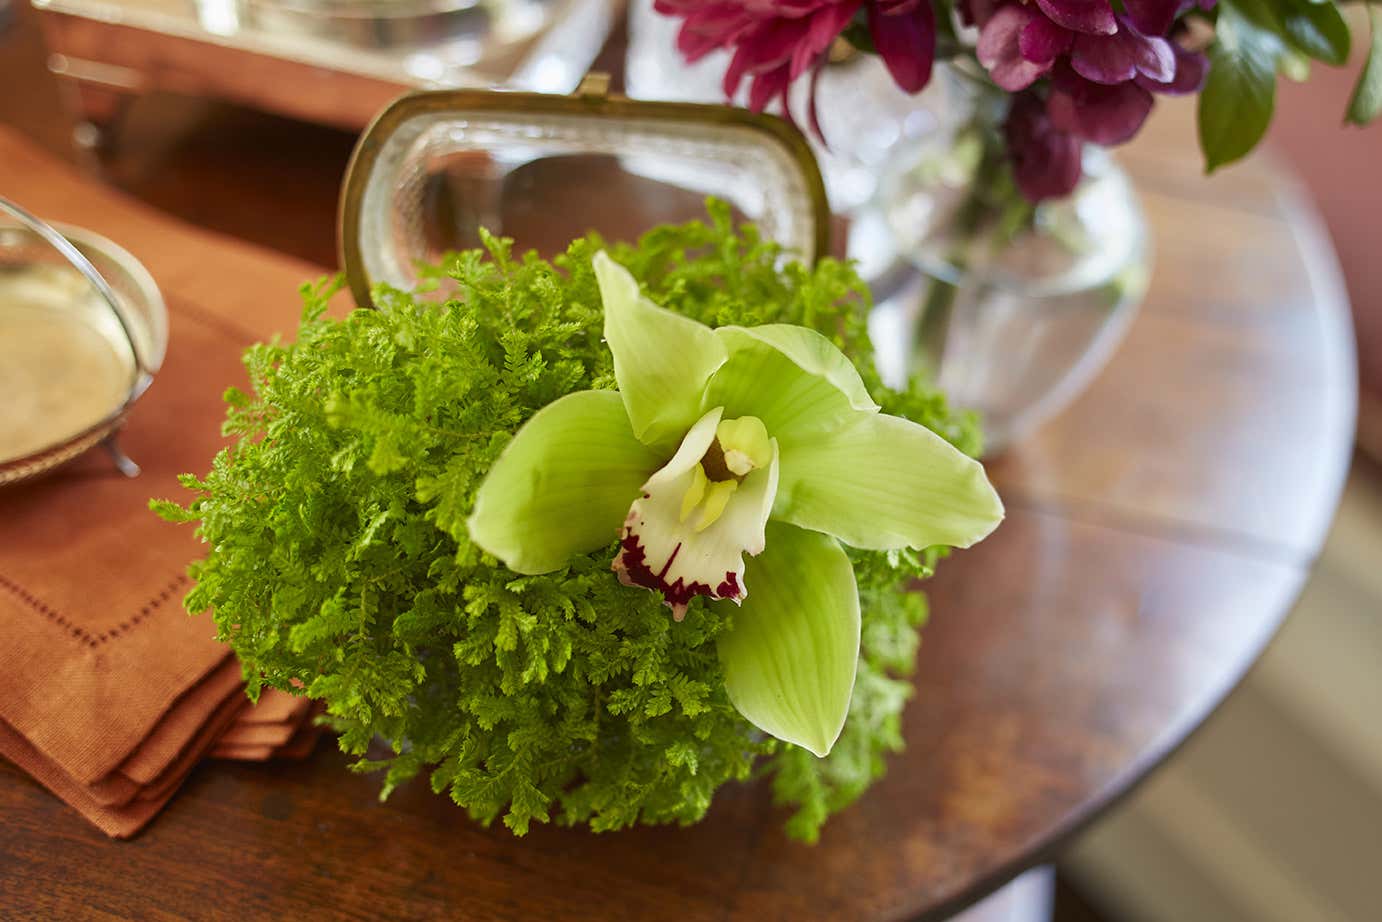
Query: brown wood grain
x,y
1158,533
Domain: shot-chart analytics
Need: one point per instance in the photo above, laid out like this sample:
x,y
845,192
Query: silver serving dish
x,y
83,329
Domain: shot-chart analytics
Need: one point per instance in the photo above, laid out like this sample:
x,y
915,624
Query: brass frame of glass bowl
x,y
591,98
73,240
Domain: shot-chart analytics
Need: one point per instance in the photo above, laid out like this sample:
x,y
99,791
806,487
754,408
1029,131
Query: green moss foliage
x,y
338,556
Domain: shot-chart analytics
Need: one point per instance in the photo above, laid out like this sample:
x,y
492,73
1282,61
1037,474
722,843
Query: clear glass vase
x,y
1011,309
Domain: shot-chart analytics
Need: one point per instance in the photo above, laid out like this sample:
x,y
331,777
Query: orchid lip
x,y
687,533
632,568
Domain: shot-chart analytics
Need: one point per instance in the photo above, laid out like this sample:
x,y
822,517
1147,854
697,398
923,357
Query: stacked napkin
x,y
107,723
279,726
110,692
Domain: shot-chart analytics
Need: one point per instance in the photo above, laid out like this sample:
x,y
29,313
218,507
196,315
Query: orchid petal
x,y
662,360
683,552
792,378
885,483
563,485
790,658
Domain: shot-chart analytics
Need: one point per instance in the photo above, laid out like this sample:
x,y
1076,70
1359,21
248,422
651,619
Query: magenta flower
x,y
1045,159
1192,67
1106,114
1103,70
1000,49
1019,44
1092,17
904,35
976,12
1099,65
775,42
1155,17
1152,17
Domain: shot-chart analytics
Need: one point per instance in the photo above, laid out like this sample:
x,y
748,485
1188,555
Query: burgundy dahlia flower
x,y
1018,44
1155,17
775,42
1103,69
904,35
1045,159
1102,65
1092,17
1105,114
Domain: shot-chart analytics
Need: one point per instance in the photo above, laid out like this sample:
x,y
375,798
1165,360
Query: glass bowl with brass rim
x,y
435,167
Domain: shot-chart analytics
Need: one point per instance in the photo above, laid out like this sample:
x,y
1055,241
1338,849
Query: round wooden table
x,y
1158,532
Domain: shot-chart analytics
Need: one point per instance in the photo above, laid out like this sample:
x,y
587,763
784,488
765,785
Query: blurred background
x,y
1271,813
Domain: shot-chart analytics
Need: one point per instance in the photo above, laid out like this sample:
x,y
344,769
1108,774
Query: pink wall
x,y
1343,167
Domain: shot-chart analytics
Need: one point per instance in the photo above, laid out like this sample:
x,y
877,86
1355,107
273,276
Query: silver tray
x,y
83,329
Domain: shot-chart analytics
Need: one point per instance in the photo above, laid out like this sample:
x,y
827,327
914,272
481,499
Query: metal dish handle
x,y
92,275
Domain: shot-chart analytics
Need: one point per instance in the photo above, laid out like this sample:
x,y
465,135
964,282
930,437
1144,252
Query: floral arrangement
x,y
1072,72
462,525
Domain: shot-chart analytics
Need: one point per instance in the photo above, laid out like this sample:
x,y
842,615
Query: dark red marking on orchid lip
x,y
634,560
632,566
729,589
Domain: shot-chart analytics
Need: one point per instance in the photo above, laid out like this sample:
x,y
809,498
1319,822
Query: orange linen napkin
x,y
254,739
124,819
120,822
97,648
107,687
165,752
108,690
276,707
302,745
270,735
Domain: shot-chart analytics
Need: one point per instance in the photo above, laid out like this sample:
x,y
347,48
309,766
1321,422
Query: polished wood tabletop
x,y
1158,532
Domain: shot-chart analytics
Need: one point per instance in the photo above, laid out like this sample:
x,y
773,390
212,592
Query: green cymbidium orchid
x,y
724,442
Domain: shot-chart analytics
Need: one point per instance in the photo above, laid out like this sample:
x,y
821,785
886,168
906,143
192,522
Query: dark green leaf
x,y
1265,14
1236,105
858,35
1316,29
1367,96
